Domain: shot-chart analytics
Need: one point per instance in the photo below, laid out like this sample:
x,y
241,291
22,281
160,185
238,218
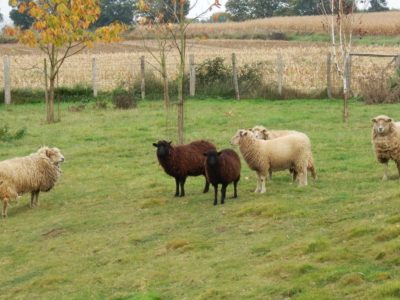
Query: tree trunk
x,y
50,103
346,88
181,83
165,81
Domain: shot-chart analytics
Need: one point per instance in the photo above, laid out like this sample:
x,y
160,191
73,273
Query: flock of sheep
x,y
265,151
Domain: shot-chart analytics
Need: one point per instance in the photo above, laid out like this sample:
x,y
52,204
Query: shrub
x,y
154,86
213,71
214,77
250,79
376,88
123,99
7,136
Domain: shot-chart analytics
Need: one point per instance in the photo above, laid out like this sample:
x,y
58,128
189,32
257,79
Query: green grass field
x,y
111,228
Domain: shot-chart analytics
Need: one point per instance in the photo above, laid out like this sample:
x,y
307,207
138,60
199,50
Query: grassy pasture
x,y
111,228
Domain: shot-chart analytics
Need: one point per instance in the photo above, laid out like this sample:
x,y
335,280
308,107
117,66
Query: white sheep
x,y
278,154
35,173
386,142
263,133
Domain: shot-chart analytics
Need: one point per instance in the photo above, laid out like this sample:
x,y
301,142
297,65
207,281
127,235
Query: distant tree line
x,y
125,11
241,10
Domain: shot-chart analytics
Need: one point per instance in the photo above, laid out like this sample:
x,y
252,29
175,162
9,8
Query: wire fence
x,y
285,73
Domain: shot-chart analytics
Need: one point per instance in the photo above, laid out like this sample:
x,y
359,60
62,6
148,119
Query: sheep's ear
x,y
155,145
264,131
373,120
49,152
250,129
219,153
389,120
245,133
170,142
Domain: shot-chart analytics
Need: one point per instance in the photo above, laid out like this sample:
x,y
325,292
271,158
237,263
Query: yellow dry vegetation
x,y
379,23
304,63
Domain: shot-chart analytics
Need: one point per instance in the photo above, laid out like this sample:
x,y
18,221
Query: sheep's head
x,y
239,135
260,132
163,148
211,157
382,125
53,154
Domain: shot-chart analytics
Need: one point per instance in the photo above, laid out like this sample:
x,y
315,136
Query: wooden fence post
x,y
235,76
329,75
348,74
397,63
7,80
94,81
143,75
192,71
279,67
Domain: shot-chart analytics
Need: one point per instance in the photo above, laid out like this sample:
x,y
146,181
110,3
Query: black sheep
x,y
222,167
182,161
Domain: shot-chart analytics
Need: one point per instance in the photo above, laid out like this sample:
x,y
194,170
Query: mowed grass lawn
x,y
112,229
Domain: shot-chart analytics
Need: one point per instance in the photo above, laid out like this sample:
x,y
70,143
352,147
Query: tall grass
x,y
111,228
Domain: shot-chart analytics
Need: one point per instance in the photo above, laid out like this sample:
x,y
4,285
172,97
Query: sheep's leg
x,y
235,188
270,174
262,183
313,172
206,187
303,176
215,194
258,188
398,166
385,171
32,199
37,198
294,174
223,193
183,180
5,204
176,187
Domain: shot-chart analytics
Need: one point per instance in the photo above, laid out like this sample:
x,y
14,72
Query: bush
x,y
376,88
154,86
214,77
123,99
7,136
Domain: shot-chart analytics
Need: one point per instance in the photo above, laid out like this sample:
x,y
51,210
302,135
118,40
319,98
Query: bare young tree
x,y
340,21
177,28
157,28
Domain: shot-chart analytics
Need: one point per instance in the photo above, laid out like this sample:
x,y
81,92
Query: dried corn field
x,y
305,68
379,23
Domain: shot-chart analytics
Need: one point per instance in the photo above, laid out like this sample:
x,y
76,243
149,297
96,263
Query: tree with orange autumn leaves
x,y
61,30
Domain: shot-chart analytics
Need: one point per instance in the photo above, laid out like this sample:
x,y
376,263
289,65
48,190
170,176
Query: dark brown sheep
x,y
222,167
183,161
